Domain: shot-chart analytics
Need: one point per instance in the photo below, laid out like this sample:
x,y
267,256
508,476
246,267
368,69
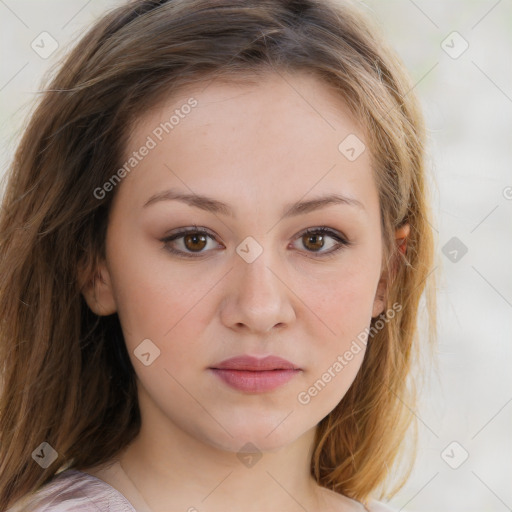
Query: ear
x,y
379,302
96,287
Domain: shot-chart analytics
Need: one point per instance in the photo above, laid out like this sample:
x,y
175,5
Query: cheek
x,y
344,300
344,312
167,304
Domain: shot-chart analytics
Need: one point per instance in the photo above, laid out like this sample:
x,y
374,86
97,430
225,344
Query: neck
x,y
176,471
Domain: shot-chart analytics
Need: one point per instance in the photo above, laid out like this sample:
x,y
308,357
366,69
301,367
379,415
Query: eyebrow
x,y
212,205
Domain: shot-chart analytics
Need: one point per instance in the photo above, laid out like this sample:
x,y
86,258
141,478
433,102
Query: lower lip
x,y
255,382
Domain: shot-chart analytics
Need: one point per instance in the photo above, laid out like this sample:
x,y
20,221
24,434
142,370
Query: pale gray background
x,y
468,107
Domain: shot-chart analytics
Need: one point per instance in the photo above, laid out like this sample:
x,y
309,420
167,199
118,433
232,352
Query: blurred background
x,y
459,56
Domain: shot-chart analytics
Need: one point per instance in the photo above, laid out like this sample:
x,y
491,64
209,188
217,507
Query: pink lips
x,y
251,374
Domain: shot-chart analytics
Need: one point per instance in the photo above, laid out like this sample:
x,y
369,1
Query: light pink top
x,y
75,491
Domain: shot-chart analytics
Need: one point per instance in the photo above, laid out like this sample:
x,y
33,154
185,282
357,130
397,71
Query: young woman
x,y
214,239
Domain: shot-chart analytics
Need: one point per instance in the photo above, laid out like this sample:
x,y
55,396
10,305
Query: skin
x,y
256,148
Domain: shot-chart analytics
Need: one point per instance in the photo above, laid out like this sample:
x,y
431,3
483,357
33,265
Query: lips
x,y
250,363
253,375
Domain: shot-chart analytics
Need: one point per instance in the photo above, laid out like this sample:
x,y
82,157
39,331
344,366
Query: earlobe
x,y
379,303
97,292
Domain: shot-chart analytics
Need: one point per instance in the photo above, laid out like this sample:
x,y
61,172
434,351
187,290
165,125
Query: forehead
x,y
283,130
298,106
272,98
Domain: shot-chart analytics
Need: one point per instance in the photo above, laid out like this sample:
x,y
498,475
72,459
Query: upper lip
x,y
250,363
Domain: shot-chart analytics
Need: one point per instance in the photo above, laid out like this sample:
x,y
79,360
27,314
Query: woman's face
x,y
254,284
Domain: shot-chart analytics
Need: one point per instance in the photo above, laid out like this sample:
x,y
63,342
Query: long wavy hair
x,y
66,376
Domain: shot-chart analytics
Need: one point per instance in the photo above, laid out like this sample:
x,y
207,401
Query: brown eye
x,y
189,241
315,239
313,242
195,242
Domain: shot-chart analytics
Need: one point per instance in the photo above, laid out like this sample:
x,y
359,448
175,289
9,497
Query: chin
x,y
265,438
246,443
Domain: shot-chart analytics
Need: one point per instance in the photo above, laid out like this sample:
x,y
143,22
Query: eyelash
x,y
322,230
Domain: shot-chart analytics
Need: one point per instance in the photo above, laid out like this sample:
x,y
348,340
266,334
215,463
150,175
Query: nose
x,y
258,298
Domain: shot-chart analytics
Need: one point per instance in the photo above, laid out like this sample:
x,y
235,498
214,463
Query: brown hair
x,y
66,376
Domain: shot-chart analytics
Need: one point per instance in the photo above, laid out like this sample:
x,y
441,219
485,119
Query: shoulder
x,y
72,490
338,501
378,506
